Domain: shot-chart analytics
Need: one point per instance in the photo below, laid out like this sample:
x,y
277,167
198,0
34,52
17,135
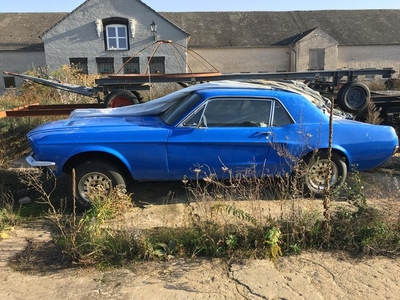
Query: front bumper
x,y
37,163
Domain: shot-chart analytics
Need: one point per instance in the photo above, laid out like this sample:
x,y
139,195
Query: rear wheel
x,y
317,171
120,98
93,173
353,97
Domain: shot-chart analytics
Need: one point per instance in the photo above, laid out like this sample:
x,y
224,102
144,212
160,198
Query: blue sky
x,y
207,5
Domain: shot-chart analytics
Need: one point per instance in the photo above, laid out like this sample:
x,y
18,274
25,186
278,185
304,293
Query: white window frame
x,y
117,38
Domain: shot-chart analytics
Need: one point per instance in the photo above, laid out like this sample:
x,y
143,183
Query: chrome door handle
x,y
267,134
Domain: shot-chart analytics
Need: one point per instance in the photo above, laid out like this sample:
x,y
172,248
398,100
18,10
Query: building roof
x,y
21,31
257,29
87,2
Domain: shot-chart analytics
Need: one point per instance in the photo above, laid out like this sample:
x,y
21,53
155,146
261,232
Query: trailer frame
x,y
325,81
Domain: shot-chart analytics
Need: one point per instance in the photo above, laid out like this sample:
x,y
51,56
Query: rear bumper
x,y
396,149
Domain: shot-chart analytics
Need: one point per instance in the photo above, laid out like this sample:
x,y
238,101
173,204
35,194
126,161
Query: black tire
x,y
95,172
119,98
353,97
317,172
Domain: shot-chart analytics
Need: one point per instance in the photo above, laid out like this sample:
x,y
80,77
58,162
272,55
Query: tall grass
x,y
224,224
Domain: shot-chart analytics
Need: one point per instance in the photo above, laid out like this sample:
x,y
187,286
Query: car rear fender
x,y
336,149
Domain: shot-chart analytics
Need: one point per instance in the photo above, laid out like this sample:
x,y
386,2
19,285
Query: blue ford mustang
x,y
211,128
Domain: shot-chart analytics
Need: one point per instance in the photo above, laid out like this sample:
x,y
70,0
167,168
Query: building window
x,y
131,65
79,63
105,65
316,59
157,65
9,82
117,37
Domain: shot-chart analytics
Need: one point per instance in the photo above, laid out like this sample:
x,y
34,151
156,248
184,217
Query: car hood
x,y
95,123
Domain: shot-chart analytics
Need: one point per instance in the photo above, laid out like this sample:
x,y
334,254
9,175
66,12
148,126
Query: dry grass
x,y
30,92
13,130
158,90
383,84
376,85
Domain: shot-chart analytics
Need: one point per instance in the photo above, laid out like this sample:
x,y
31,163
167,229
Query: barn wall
x,y
387,56
234,60
19,62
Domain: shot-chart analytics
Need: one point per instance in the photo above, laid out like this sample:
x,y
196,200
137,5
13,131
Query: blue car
x,y
217,129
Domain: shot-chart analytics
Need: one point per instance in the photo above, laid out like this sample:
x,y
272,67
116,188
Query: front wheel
x,y
93,173
317,171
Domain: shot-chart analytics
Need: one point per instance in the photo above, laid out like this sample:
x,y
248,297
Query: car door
x,y
225,134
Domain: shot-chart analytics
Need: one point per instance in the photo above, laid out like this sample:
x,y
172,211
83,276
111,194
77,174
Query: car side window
x,y
196,119
281,117
241,112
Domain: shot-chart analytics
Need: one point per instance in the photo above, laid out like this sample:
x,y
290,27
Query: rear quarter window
x,y
281,116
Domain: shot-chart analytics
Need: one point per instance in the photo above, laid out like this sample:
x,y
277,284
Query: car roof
x,y
159,105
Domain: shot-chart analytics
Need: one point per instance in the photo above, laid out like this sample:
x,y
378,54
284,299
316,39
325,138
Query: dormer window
x,y
117,37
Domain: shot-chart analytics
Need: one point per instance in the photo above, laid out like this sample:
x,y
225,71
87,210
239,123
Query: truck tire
x,y
353,97
120,98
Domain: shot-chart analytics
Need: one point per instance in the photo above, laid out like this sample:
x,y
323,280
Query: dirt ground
x,y
309,276
32,269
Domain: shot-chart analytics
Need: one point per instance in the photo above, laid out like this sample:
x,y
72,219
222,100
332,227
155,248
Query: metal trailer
x,y
119,90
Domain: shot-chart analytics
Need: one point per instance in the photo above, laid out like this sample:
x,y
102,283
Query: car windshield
x,y
180,108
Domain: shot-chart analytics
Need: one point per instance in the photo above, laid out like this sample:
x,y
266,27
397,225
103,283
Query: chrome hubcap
x,y
319,172
91,181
